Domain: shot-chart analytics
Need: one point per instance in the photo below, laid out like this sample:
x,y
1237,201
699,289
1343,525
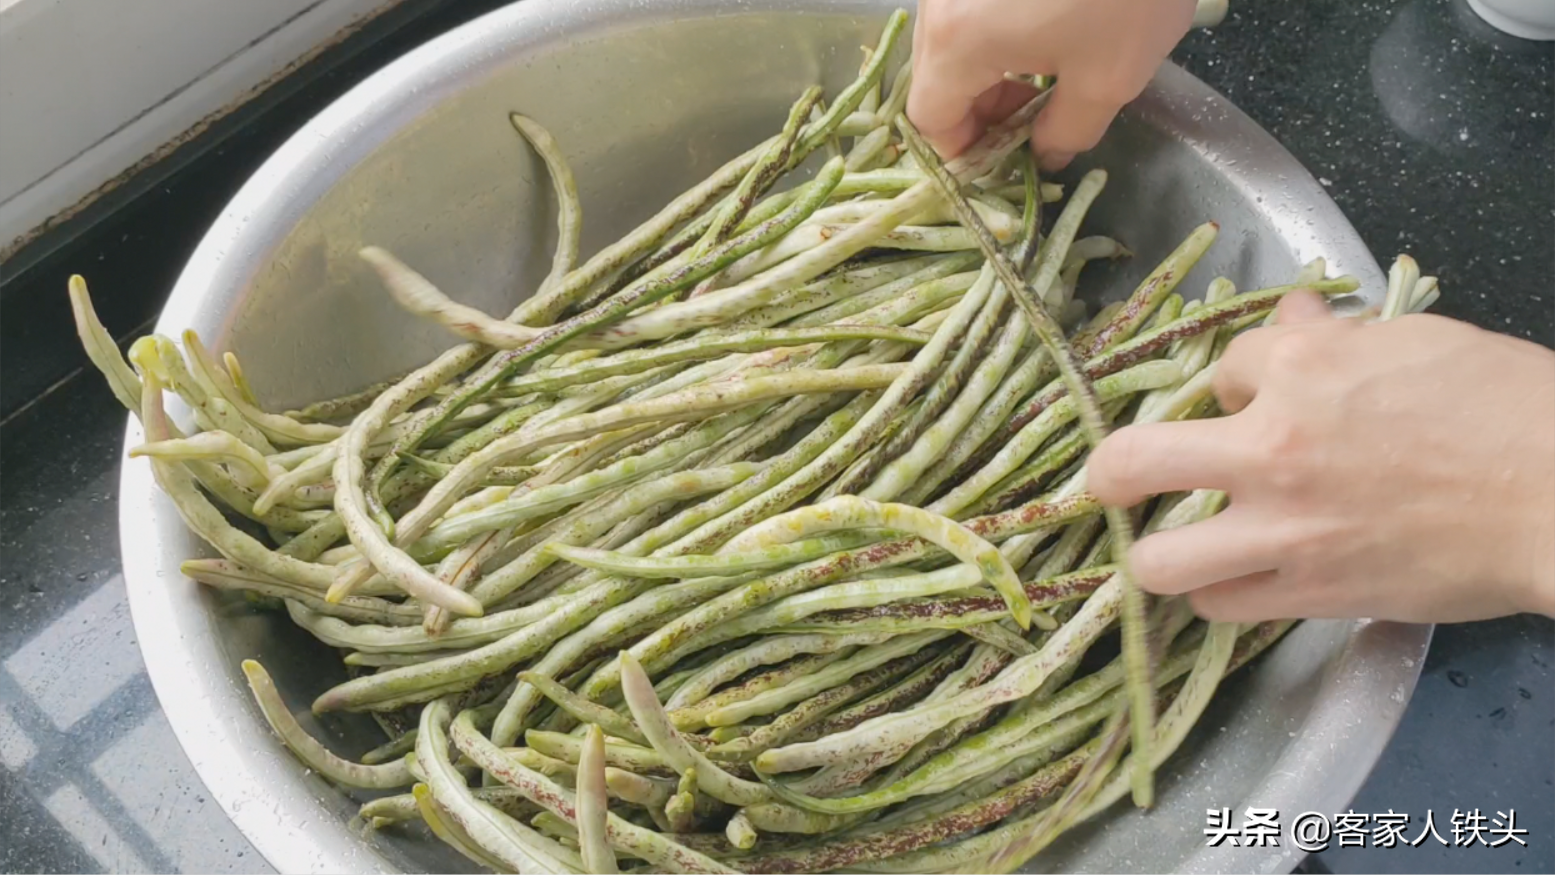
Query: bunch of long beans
x,y
758,541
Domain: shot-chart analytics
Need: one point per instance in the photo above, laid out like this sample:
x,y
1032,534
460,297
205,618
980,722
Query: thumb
x,y
1302,305
1072,122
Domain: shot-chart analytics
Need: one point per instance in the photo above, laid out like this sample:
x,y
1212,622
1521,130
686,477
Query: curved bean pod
x,y
850,512
307,749
655,724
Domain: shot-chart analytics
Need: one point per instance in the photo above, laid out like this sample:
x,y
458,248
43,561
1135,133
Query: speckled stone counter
x,y
1432,131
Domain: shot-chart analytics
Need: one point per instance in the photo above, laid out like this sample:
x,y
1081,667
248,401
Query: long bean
x,y
420,297
378,549
806,713
945,391
702,347
690,404
770,701
655,724
716,306
1136,636
767,651
489,829
776,556
205,518
318,758
100,347
542,500
1019,679
1018,734
848,512
767,168
593,809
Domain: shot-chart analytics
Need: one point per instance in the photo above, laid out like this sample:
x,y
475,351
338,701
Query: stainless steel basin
x,y
647,97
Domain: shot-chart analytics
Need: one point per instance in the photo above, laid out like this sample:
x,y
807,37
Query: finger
x,y
1247,360
1241,368
1055,161
1228,545
1072,122
1138,461
1251,598
941,100
997,103
1302,306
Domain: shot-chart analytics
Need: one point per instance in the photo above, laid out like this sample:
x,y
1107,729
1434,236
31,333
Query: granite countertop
x,y
1432,132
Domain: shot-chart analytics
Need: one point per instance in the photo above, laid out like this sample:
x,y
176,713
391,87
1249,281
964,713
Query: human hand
x,y
1103,53
1402,470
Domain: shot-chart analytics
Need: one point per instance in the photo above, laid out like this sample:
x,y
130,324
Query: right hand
x,y
1103,53
1402,470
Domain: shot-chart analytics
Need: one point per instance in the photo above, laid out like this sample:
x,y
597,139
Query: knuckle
x,y
1150,568
948,24
1072,131
1118,87
1284,448
1112,465
1122,84
1223,383
1098,82
1296,351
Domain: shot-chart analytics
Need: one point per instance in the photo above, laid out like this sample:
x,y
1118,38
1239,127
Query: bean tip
x,y
1022,613
143,355
264,503
1144,793
740,833
630,665
254,672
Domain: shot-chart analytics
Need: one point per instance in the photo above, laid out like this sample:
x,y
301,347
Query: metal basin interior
x,y
647,98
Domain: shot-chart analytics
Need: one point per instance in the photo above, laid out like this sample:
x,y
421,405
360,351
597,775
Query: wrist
x,y
1538,592
1534,526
